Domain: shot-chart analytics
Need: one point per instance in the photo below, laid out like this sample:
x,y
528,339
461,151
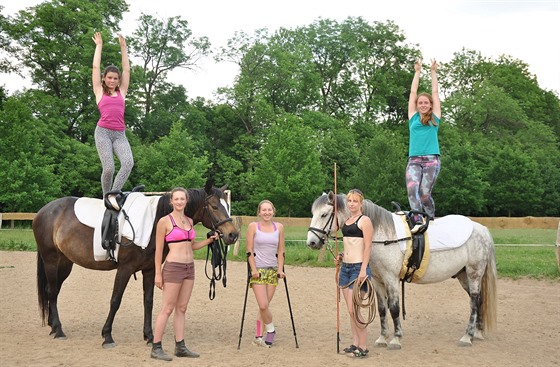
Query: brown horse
x,y
63,241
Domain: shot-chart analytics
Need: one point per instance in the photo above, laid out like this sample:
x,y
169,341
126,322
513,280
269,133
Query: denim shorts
x,y
349,273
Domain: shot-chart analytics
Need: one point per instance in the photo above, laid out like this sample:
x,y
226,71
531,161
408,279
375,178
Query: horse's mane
x,y
380,217
196,198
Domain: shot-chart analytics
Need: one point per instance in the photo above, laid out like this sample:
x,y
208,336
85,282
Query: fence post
x,y
237,222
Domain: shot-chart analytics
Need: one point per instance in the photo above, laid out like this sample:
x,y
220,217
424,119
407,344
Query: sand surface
x,y
528,323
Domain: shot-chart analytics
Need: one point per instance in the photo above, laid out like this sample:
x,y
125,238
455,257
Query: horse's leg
x,y
148,285
471,283
121,281
56,268
395,309
382,310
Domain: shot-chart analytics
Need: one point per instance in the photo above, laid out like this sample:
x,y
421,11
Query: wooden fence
x,y
490,222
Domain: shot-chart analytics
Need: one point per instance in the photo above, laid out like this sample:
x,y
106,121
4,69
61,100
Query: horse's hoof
x,y
478,335
380,344
60,337
465,341
109,345
394,346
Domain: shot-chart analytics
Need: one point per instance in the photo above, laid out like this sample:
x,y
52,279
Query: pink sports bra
x,y
178,234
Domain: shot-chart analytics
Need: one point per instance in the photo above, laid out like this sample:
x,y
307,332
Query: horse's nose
x,y
232,237
311,244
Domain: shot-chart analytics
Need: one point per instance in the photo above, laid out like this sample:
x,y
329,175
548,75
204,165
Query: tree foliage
x,y
304,99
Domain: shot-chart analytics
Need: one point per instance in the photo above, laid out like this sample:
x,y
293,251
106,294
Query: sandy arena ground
x,y
528,323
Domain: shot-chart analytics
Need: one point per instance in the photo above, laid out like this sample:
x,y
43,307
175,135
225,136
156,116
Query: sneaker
x,y
259,342
270,338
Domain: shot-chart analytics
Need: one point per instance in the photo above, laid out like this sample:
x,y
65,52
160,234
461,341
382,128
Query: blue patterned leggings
x,y
421,175
108,142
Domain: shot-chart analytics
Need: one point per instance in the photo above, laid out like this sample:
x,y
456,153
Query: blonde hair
x,y
358,194
266,202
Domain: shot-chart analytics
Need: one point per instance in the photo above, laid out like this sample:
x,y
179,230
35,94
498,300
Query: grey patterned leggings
x,y
108,141
421,175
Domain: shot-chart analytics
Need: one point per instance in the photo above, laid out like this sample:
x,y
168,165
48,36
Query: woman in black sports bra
x,y
357,233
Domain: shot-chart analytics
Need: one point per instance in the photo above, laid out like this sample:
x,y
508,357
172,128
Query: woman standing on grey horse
x,y
424,114
110,93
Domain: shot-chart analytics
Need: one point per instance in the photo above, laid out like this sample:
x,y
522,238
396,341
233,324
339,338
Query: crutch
x,y
290,304
245,302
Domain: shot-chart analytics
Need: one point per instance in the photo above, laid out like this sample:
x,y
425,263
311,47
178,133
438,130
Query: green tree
x,y
28,177
53,42
162,46
289,169
460,187
381,167
516,184
171,161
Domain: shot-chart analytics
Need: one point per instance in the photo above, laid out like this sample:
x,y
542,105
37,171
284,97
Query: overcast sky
x,y
525,30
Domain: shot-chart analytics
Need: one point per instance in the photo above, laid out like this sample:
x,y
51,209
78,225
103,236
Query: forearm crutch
x,y
289,304
245,302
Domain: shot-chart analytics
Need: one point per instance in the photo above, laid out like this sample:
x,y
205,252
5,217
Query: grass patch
x,y
514,262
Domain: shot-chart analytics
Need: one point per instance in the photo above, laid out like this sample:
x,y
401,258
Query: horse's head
x,y
323,223
214,214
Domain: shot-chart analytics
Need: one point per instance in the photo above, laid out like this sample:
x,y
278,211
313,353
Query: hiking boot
x,y
181,350
270,338
158,353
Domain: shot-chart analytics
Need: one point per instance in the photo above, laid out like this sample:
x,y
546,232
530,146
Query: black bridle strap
x,y
218,249
323,231
388,242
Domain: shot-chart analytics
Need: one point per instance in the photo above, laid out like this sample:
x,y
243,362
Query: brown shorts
x,y
177,272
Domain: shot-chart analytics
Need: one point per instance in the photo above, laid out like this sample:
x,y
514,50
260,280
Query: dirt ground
x,y
528,323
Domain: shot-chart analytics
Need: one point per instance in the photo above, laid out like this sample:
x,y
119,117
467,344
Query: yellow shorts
x,y
269,276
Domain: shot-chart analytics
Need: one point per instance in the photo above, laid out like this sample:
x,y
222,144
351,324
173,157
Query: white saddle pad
x,y
141,212
444,233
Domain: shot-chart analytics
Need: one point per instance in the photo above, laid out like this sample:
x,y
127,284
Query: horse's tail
x,y
42,289
488,291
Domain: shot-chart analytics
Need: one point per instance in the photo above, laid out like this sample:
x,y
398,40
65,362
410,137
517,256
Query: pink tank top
x,y
178,234
111,109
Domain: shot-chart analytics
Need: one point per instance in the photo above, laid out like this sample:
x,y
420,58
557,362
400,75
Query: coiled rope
x,y
363,300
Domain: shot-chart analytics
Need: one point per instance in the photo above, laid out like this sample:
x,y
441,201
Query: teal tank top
x,y
423,139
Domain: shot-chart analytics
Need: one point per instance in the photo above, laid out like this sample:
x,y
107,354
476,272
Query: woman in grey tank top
x,y
265,255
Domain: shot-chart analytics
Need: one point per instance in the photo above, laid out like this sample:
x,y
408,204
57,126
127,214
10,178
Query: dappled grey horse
x,y
472,263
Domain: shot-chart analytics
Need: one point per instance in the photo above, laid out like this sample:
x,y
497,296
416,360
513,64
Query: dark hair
x,y
109,69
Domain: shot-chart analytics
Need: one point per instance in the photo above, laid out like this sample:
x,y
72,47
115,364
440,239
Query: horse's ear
x,y
224,188
330,196
208,187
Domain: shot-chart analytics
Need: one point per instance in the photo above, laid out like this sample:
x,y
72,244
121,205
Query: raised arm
x,y
436,106
125,78
96,70
414,89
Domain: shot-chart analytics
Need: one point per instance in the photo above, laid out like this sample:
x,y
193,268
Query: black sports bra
x,y
352,230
